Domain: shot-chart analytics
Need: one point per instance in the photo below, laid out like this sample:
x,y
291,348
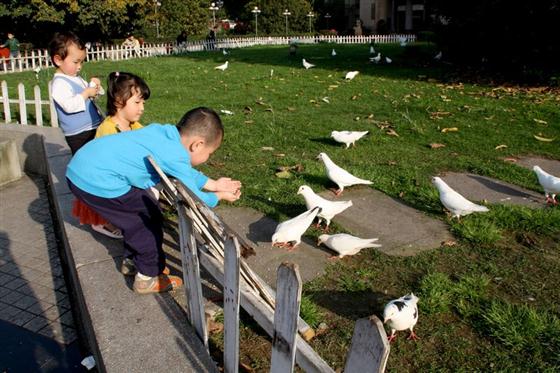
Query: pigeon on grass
x,y
288,233
348,137
375,59
401,314
351,75
346,244
454,202
340,176
307,65
550,184
328,208
222,66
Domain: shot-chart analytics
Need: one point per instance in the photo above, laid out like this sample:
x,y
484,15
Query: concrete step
x,y
479,188
401,229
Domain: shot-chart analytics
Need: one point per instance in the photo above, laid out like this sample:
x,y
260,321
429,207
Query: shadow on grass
x,y
350,304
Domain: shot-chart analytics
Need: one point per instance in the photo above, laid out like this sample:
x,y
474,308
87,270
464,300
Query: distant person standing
x,y
13,46
132,43
182,38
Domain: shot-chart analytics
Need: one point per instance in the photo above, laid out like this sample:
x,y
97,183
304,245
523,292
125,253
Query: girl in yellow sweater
x,y
126,94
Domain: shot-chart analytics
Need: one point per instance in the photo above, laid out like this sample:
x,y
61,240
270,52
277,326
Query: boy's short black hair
x,y
60,43
121,86
203,122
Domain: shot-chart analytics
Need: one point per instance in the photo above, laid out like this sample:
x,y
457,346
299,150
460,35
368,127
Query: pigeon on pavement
x,y
348,137
306,64
333,53
351,75
223,66
288,233
388,60
340,176
550,184
346,244
328,208
401,314
371,49
454,202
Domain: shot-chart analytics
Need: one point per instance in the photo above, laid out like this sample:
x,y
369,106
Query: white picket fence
x,y
40,59
22,103
218,251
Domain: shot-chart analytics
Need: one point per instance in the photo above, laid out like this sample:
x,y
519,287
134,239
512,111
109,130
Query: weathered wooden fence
x,y
218,251
40,59
21,102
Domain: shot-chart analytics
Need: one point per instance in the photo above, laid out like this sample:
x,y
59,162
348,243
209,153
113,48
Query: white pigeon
x,y
401,314
224,52
454,202
438,56
388,60
402,41
376,59
328,208
346,244
307,65
348,137
371,50
223,66
550,184
351,75
333,53
340,176
288,233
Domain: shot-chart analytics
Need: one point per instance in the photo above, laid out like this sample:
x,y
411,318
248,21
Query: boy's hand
x,y
229,196
225,184
90,92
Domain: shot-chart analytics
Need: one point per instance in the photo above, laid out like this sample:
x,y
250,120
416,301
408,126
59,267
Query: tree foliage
x,y
271,20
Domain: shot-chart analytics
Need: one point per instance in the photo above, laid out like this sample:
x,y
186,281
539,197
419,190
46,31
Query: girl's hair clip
x,y
117,74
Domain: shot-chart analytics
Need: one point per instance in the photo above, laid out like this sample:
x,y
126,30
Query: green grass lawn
x,y
488,303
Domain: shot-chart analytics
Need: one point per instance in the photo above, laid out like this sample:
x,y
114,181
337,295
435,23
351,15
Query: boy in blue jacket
x,y
111,175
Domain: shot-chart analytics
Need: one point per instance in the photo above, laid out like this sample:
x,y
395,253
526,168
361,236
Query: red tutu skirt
x,y
86,215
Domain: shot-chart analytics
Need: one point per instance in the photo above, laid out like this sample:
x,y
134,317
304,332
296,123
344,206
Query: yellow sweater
x,y
109,127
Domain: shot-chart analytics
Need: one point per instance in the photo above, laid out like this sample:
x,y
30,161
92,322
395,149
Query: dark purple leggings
x,y
141,222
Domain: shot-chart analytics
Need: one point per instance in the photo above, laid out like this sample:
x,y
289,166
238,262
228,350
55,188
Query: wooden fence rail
x,y
278,314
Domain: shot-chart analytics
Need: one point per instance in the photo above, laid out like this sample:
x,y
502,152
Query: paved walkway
x,y
36,324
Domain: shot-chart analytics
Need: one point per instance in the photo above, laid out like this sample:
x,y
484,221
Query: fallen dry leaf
x,y
355,97
289,108
435,145
543,139
449,129
449,243
267,148
247,110
284,174
269,109
509,159
216,164
391,132
279,155
392,163
503,146
539,121
249,122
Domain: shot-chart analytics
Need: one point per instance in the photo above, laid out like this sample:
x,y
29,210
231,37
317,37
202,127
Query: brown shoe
x,y
158,284
128,268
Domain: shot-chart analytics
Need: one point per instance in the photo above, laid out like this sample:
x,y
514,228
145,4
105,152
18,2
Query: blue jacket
x,y
110,165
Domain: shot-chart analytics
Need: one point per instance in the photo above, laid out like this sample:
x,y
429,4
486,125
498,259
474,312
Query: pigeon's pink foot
x,y
291,247
337,192
325,230
391,338
412,336
333,258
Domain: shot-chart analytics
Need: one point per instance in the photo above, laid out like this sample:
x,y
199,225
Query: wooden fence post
x,y
38,108
191,274
52,109
288,300
6,102
22,106
231,305
369,350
